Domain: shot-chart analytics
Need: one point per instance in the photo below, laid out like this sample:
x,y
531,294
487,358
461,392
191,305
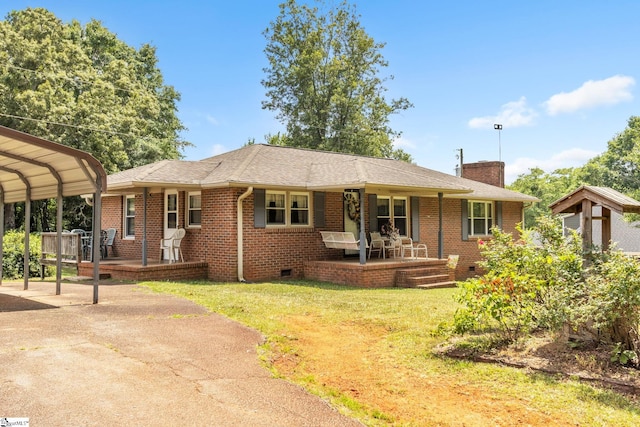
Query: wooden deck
x,y
128,269
383,273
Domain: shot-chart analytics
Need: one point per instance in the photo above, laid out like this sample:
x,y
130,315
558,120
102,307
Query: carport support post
x,y
27,231
59,237
1,230
97,235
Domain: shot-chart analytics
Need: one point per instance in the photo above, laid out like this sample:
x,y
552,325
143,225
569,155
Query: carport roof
x,y
28,161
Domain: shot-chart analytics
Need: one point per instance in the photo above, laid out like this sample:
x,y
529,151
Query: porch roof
x,y
267,166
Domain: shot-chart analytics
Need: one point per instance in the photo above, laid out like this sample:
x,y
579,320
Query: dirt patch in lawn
x,y
361,365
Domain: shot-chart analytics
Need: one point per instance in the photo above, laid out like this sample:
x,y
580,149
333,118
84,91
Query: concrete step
x,y
425,280
447,284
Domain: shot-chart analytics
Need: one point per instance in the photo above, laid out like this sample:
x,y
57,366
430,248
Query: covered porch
x,y
376,273
134,270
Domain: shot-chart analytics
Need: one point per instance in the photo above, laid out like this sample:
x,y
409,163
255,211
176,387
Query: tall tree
x,y
619,166
82,87
323,82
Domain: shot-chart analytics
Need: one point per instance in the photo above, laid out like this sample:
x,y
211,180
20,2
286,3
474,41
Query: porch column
x,y
440,232
144,226
363,235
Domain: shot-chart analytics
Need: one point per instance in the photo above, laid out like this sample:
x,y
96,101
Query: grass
x,y
400,328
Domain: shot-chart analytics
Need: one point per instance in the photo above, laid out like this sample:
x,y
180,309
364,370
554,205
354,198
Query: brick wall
x,y
467,250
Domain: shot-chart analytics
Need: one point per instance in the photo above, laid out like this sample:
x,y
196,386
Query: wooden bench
x,y
71,250
341,240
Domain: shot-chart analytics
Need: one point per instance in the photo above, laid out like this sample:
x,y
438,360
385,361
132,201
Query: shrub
x,y
527,284
13,255
612,301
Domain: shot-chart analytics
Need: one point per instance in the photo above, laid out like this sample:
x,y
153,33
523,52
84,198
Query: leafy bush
x,y
539,281
13,255
612,301
526,285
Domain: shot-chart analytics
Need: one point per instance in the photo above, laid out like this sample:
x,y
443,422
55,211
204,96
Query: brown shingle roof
x,y
604,196
267,166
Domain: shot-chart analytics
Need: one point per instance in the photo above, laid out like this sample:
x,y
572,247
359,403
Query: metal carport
x,y
32,168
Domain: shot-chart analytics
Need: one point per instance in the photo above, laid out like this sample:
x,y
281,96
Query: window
x,y
480,218
276,208
285,208
194,209
397,215
129,216
299,209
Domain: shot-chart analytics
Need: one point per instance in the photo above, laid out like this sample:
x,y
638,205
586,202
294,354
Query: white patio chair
x,y
377,244
393,246
172,244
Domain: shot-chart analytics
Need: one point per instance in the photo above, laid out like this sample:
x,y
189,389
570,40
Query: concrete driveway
x,y
137,358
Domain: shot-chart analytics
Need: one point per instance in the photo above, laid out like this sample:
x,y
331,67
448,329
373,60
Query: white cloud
x,y
212,120
403,143
573,157
512,114
591,94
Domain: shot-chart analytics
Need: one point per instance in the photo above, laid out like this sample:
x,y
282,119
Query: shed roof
x,y
604,196
30,162
268,166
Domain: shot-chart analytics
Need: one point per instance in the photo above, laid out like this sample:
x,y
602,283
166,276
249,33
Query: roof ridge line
x,y
242,166
154,168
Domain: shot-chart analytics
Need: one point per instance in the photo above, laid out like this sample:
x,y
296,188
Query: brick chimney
x,y
489,172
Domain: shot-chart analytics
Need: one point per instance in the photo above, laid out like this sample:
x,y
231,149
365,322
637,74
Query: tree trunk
x,y
9,216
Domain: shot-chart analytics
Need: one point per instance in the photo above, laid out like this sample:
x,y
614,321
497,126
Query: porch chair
x,y
414,250
377,244
88,244
172,244
393,246
108,243
84,241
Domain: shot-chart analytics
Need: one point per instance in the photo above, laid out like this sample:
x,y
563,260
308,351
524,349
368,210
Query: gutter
x,y
240,234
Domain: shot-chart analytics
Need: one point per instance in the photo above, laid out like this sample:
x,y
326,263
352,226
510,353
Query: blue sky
x,y
560,76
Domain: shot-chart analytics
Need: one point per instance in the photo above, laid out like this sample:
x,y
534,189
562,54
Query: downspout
x,y
240,235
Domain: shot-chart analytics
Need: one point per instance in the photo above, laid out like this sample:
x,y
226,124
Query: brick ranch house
x,y
255,213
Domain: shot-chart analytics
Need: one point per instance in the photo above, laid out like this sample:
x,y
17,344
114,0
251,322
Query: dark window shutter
x,y
373,213
259,210
415,218
464,207
499,215
318,209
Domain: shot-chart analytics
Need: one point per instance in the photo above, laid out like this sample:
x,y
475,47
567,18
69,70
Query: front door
x,y
170,216
352,216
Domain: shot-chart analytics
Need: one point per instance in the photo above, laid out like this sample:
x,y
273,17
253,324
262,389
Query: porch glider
x,y
341,240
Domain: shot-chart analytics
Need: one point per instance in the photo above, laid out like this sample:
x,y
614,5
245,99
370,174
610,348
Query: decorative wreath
x,y
353,207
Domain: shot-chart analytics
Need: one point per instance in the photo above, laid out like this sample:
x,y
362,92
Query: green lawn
x,y
409,319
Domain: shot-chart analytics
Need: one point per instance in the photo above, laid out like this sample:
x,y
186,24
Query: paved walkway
x,y
137,359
